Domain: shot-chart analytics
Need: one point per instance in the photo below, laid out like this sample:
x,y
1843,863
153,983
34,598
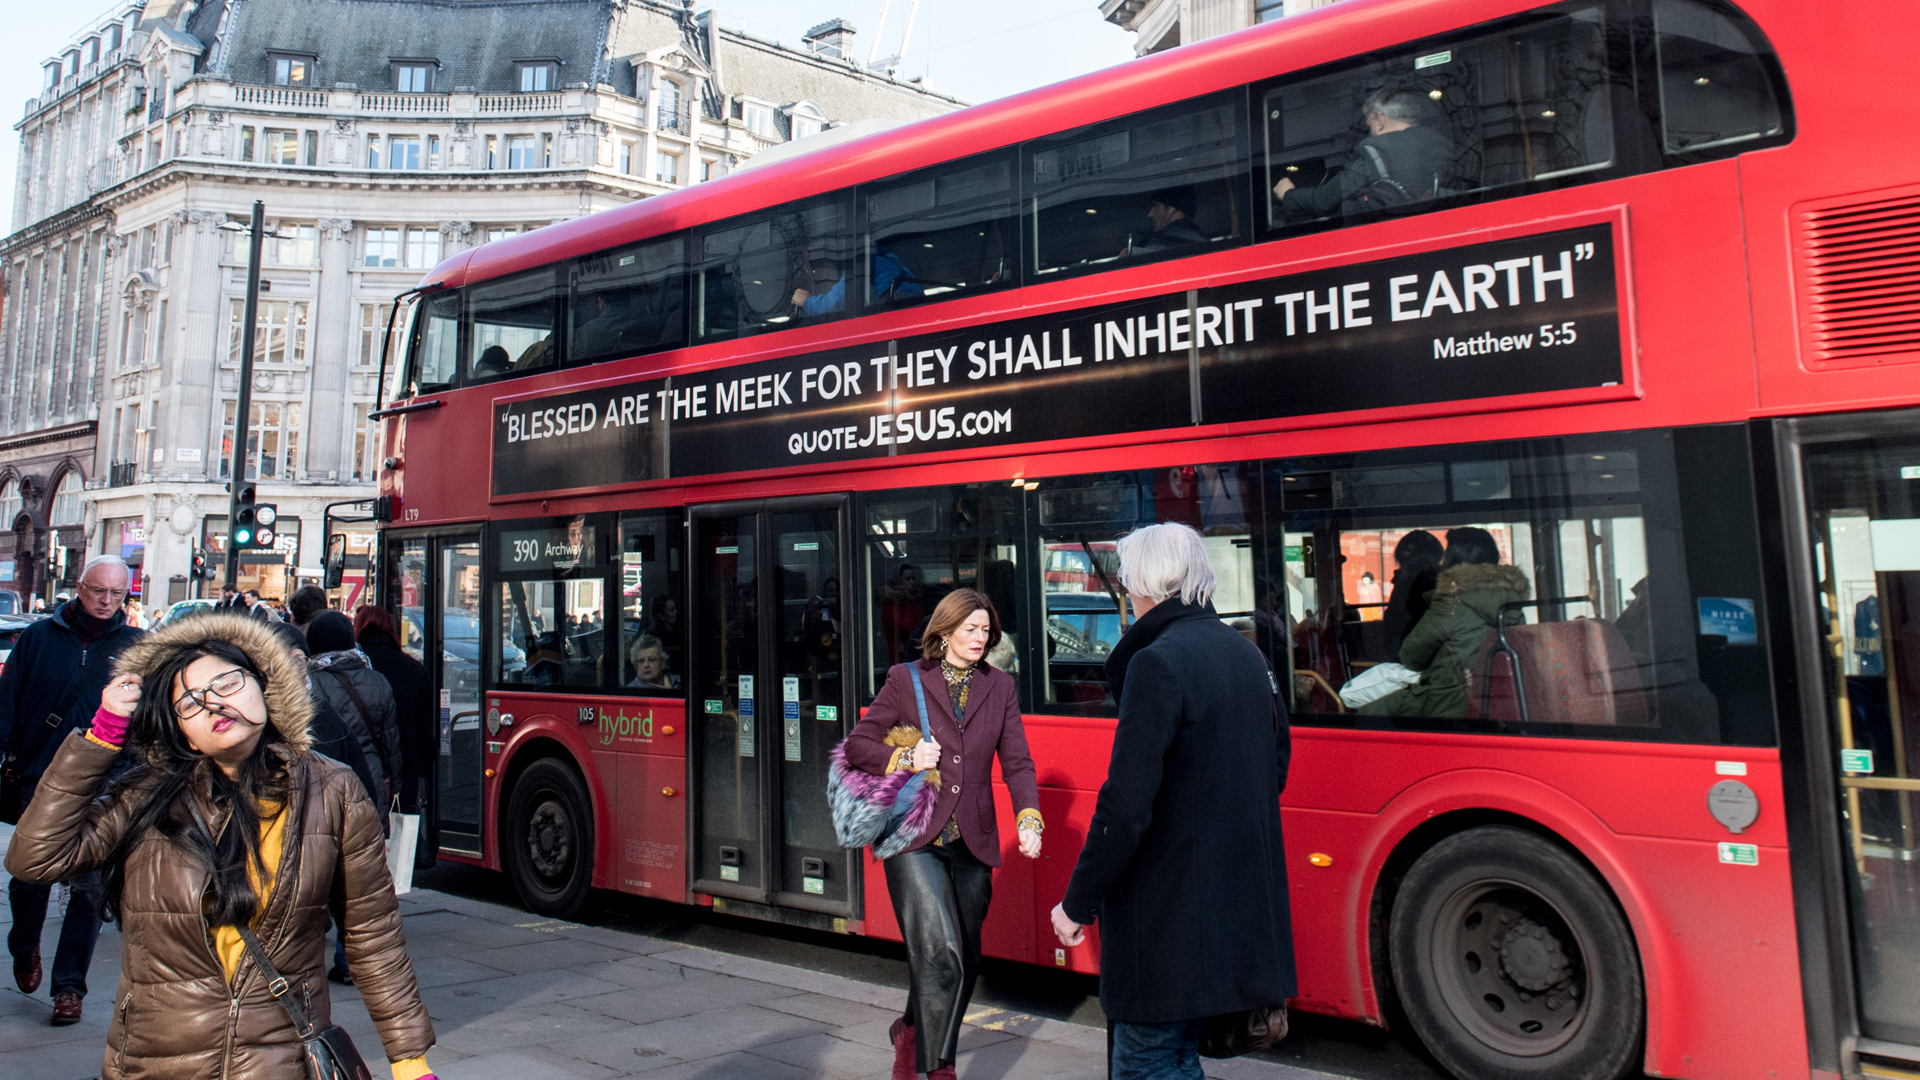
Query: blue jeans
x,y
1162,1051
79,931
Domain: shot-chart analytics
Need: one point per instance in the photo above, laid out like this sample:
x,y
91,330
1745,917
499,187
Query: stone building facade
x,y
382,136
1163,24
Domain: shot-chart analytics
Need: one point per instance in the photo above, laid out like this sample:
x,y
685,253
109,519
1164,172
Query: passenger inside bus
x,y
1463,611
1170,214
1416,573
891,279
649,659
493,361
1403,160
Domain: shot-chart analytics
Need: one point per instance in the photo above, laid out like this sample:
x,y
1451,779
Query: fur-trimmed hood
x,y
1456,580
289,709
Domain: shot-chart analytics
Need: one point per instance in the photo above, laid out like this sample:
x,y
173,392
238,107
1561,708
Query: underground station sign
x,y
1527,315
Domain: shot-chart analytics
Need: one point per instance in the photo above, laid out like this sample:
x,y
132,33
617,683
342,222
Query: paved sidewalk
x,y
518,997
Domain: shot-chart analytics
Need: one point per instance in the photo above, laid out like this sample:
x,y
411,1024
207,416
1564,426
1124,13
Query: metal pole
x,y
243,409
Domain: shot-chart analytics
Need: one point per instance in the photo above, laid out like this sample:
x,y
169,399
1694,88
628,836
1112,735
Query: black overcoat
x,y
1183,865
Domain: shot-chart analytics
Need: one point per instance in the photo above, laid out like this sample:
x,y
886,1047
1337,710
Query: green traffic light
x,y
243,536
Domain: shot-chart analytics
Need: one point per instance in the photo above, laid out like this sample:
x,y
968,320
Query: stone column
x,y
336,330
198,302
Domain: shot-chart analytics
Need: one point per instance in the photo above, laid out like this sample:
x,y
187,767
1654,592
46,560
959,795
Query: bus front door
x,y
433,592
770,700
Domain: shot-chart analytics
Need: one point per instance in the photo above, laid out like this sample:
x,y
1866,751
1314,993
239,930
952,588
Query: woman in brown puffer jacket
x,y
218,710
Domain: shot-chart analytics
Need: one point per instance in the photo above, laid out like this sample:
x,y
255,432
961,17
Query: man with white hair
x,y
51,685
1183,865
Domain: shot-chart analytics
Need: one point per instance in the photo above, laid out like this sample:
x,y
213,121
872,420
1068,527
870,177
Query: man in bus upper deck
x,y
1170,213
1400,161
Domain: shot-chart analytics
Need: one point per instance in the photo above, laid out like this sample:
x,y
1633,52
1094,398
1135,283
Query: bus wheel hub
x,y
550,839
1531,956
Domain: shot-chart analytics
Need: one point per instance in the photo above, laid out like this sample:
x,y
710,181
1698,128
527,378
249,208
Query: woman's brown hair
x,y
953,609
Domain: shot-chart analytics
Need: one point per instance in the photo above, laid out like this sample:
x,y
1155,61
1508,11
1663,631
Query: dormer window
x,y
92,54
806,119
73,61
536,75
414,76
290,69
759,118
113,37
53,75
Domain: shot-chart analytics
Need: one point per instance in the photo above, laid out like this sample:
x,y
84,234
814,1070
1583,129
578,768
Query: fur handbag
x,y
891,812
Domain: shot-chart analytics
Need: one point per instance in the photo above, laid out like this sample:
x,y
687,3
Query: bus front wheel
x,y
548,839
1513,962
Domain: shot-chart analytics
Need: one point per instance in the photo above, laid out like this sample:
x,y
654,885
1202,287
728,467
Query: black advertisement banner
x,y
1520,316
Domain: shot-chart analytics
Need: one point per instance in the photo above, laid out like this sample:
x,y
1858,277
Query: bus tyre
x,y
548,839
1513,962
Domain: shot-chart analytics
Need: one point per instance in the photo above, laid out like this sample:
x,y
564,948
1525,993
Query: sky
x,y
976,50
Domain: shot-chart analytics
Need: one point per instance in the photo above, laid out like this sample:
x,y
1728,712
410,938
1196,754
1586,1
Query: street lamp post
x,y
243,411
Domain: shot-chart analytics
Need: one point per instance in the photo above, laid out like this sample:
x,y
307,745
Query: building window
x,y
501,232
10,504
709,169
666,167
373,323
93,51
423,248
433,151
670,114
759,118
546,151
283,147
113,37
373,151
493,151
292,246
310,148
538,75
67,508
413,78
403,152
273,440
53,75
290,70
279,331
520,152
805,120
1269,10
246,144
366,443
624,157
383,247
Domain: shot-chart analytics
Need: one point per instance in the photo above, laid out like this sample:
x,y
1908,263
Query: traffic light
x,y
201,571
244,517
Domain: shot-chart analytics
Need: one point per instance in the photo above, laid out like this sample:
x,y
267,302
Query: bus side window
x,y
628,301
1095,190
922,544
776,269
436,350
1531,101
653,635
551,603
513,325
948,229
1718,78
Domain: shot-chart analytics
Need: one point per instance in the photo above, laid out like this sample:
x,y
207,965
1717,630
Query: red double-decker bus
x,y
1620,290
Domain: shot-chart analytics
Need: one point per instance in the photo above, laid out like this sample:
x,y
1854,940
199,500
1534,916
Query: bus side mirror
x,y
336,564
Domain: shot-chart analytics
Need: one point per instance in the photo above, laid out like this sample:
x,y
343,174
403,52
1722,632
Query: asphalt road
x,y
1332,1046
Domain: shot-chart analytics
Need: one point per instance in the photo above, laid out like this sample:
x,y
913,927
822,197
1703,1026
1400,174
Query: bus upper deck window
x,y
513,324
1163,183
1531,100
1719,78
437,347
629,301
775,270
941,230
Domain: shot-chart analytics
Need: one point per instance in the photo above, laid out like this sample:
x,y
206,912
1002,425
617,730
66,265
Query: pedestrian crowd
x,y
226,779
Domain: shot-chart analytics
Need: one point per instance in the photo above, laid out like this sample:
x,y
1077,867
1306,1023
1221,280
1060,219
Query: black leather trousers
x,y
940,895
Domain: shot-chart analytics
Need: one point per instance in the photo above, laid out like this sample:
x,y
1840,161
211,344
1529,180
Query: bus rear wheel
x,y
1513,962
548,839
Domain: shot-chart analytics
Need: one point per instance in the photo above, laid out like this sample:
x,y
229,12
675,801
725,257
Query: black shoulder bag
x,y
330,1052
1249,1030
14,786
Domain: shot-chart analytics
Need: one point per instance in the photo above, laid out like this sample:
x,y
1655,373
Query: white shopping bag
x,y
1377,682
400,849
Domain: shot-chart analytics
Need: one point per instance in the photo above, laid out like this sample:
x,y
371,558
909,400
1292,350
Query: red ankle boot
x,y
944,1072
904,1065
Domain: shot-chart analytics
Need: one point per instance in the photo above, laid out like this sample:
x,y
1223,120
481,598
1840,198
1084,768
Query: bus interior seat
x,y
1578,671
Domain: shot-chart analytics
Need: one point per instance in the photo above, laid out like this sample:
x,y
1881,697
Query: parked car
x,y
9,603
176,609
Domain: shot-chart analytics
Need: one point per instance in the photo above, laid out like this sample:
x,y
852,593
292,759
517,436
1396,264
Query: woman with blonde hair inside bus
x,y
942,883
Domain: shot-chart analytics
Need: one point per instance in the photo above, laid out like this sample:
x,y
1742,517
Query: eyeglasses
x,y
111,594
224,685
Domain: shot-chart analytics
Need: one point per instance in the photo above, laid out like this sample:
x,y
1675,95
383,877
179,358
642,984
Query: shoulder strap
x,y
358,703
1379,162
277,984
920,699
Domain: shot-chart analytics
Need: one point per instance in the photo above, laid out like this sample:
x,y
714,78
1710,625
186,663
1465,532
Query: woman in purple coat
x,y
942,884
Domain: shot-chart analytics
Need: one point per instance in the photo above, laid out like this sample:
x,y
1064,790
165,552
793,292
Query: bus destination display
x,y
1527,315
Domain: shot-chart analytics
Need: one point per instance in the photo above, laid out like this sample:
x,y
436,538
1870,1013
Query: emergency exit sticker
x,y
1740,854
715,706
1856,761
827,712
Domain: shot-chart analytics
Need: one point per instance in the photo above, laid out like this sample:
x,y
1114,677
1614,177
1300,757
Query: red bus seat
x,y
1579,671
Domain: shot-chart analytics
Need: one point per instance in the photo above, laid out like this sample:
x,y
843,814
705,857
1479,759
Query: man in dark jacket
x,y
51,686
360,695
1183,865
413,706
1401,161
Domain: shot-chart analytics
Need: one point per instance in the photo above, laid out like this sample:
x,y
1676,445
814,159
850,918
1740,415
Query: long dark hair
x,y
172,765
